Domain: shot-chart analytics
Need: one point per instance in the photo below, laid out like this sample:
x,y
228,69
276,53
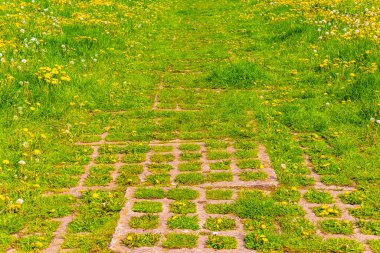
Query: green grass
x,y
149,193
147,221
158,179
182,194
220,166
159,168
218,155
106,159
190,156
369,227
336,227
252,176
249,164
220,224
141,240
147,207
286,194
99,175
162,148
134,158
353,198
318,197
189,167
245,74
189,147
182,207
191,178
219,176
183,222
218,194
221,242
161,158
180,241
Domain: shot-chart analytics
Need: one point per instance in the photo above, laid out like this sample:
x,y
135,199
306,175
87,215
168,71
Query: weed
x,y
219,208
189,147
220,165
218,194
191,178
182,207
220,224
252,176
318,197
183,222
326,211
179,241
133,240
149,193
189,167
221,242
182,194
336,227
147,207
147,221
219,176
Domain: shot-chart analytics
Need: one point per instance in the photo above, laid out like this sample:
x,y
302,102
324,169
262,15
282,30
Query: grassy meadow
x,y
88,88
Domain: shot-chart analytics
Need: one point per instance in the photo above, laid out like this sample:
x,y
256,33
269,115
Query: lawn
x,y
193,125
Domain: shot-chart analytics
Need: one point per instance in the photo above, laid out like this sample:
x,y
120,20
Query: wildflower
x,y
283,166
22,30
5,162
37,152
21,162
372,120
378,121
95,196
19,201
23,60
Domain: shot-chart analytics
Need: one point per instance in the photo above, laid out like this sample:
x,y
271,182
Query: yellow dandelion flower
x,y
37,152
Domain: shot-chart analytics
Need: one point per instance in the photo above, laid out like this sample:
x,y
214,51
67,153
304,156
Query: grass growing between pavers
x,y
141,240
88,89
221,242
180,241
